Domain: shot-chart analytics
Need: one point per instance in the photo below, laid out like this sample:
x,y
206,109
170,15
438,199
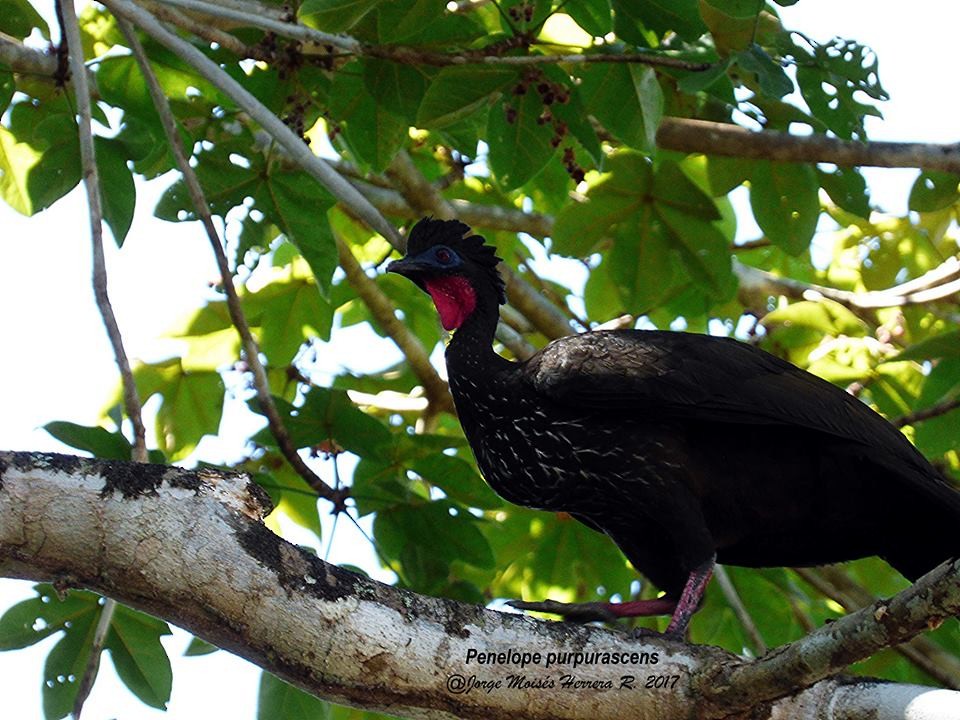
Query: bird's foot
x,y
642,633
571,612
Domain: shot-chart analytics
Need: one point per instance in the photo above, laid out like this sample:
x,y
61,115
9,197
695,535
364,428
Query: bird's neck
x,y
470,351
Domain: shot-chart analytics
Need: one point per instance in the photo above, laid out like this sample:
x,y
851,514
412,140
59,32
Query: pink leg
x,y
681,610
690,598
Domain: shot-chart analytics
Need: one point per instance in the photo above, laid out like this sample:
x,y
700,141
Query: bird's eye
x,y
444,255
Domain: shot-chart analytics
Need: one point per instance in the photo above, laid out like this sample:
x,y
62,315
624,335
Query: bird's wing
x,y
667,375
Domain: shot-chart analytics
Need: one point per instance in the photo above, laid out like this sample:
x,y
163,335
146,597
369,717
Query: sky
x,y
56,363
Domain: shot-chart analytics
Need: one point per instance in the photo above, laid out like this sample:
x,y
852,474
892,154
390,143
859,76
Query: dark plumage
x,y
684,449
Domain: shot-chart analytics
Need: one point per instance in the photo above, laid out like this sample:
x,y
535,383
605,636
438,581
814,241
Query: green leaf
x,y
297,205
455,93
140,659
847,188
519,139
399,88
945,345
785,203
703,249
7,87
199,646
98,441
405,531
672,187
20,18
594,16
642,263
934,191
423,22
330,415
334,15
373,134
191,408
938,435
663,16
774,82
627,100
457,478
278,700
581,226
117,189
39,158
725,174
824,318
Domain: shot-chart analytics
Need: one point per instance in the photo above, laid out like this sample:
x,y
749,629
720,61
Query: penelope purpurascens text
x,y
684,449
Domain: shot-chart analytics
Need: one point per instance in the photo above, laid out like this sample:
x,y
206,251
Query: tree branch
x,y
190,547
927,655
935,410
713,138
251,350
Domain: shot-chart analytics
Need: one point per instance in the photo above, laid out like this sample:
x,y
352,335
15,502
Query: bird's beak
x,y
410,268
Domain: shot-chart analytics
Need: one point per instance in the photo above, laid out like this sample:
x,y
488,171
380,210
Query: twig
x,y
712,138
96,652
739,609
754,280
265,22
199,28
936,410
384,314
418,56
70,30
927,655
250,348
294,146
91,180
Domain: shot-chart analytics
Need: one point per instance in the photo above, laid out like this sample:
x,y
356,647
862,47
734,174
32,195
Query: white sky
x,y
57,364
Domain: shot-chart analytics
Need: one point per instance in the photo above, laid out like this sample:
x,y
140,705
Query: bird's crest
x,y
453,233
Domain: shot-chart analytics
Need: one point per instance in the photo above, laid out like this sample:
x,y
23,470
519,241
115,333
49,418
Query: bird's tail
x,y
928,531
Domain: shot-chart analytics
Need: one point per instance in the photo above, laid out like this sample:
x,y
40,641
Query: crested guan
x,y
684,449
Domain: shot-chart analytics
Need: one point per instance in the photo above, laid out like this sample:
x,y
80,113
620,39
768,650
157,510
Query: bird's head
x,y
458,270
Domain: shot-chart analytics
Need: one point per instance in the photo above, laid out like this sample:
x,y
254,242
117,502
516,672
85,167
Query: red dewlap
x,y
455,300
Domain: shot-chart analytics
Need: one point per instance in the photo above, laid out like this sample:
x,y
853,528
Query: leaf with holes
x,y
785,203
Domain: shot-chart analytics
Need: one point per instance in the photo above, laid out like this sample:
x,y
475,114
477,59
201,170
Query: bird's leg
x,y
690,597
681,610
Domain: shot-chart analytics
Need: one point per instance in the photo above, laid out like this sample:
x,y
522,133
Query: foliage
x,y
575,141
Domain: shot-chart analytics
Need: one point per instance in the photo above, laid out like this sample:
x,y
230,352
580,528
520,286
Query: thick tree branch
x,y
190,547
250,348
712,138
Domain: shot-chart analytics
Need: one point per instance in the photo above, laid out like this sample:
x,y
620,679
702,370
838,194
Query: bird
x,y
684,449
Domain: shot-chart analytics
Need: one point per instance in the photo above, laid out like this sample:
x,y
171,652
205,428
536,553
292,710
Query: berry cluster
x,y
294,117
522,12
551,93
